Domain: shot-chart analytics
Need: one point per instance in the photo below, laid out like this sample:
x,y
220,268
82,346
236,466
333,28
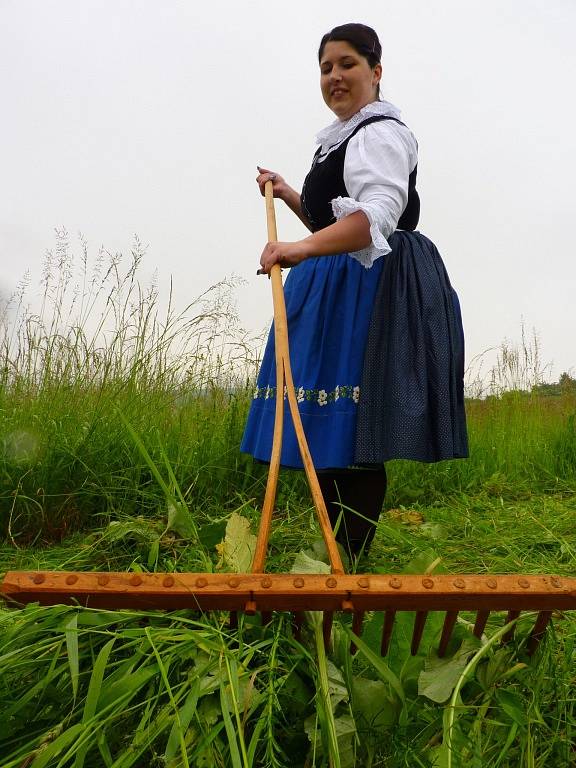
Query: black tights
x,y
356,497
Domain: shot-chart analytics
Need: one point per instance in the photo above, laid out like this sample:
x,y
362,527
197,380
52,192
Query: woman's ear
x,y
377,76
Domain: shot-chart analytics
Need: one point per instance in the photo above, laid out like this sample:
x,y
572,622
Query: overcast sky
x,y
133,116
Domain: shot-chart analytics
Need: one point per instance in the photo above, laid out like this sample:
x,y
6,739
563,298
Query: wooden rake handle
x,y
284,381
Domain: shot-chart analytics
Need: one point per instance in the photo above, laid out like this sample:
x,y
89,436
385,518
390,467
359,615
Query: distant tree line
x,y
565,385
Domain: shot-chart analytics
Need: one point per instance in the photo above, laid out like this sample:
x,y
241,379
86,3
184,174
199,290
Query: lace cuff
x,y
344,206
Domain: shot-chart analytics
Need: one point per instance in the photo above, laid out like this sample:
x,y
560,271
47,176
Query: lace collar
x,y
339,130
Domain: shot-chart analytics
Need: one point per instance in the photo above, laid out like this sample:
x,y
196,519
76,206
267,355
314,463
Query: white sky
x,y
126,116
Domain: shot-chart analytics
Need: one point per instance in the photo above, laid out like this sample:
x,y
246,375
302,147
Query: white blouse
x,y
378,161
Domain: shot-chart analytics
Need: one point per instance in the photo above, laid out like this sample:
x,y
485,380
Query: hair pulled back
x,y
362,38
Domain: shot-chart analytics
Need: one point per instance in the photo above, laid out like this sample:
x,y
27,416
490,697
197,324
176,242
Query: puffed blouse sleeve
x,y
379,159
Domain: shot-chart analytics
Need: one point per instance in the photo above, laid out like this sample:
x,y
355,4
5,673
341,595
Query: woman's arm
x,y
377,165
352,233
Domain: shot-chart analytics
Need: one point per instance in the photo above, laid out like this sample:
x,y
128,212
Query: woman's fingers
x,y
265,175
285,254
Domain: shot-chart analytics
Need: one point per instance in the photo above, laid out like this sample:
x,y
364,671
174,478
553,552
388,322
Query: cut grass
x,y
64,667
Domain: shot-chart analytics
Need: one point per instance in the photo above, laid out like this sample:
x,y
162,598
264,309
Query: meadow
x,y
120,421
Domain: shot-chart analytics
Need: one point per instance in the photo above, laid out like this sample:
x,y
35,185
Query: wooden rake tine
x,y
284,380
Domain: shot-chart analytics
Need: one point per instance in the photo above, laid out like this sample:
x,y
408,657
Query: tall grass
x,y
99,349
115,408
520,444
100,346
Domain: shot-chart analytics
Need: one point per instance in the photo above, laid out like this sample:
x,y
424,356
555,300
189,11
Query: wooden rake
x,y
258,591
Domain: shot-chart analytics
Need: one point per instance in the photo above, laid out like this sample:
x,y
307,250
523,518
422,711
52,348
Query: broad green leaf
x,y
209,746
245,694
451,713
303,563
209,710
237,550
439,756
180,520
493,670
298,695
380,667
153,553
336,685
318,551
426,561
212,533
345,733
371,702
439,676
513,705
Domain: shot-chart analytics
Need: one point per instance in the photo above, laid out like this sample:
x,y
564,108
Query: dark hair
x,y
362,38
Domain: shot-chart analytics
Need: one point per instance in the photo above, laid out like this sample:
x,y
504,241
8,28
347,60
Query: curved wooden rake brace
x,y
258,591
284,383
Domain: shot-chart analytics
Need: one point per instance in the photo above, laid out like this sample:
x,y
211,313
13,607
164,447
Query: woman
x,y
376,337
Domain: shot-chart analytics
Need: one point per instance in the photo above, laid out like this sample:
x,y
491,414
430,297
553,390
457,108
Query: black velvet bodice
x,y
325,181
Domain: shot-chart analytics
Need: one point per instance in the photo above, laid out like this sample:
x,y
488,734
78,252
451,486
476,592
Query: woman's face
x,y
347,81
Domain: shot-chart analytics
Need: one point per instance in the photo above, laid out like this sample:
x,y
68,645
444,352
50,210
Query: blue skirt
x,y
377,359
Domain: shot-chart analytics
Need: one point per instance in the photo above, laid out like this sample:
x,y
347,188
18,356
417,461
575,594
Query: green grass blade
x,y
94,689
71,634
453,709
180,725
63,741
104,750
168,687
146,456
324,704
95,684
233,678
230,732
255,740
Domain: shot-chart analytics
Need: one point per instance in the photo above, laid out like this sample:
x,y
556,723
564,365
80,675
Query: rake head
x,y
265,593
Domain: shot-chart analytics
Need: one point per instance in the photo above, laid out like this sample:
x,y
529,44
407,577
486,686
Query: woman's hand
x,y
279,186
285,254
283,192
